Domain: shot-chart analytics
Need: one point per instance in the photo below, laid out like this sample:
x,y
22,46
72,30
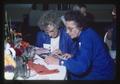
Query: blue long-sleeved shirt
x,y
91,61
66,44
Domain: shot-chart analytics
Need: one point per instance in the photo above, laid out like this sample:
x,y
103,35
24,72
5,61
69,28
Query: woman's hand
x,y
57,52
51,60
67,56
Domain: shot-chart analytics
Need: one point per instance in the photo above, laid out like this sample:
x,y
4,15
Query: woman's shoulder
x,y
40,32
89,33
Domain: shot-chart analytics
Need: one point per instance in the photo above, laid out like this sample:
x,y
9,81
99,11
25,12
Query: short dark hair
x,y
77,17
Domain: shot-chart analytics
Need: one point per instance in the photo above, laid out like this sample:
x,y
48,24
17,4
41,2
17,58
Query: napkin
x,y
41,69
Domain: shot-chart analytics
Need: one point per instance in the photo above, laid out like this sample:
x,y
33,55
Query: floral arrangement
x,y
21,47
10,53
9,66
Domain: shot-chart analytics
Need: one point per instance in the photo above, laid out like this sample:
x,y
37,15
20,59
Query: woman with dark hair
x,y
91,60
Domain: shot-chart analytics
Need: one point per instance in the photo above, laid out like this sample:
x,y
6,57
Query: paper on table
x,y
41,69
56,76
47,46
41,50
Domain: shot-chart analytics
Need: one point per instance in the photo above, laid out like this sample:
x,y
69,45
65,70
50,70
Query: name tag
x,y
47,46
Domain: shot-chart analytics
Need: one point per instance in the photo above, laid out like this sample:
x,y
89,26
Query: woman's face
x,y
114,13
52,31
83,10
72,29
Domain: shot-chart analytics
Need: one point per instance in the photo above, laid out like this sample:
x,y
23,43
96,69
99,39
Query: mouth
x,y
54,37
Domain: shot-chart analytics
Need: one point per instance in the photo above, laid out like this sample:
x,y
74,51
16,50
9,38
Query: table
x,y
61,75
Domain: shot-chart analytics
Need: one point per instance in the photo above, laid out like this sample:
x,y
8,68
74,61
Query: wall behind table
x,y
102,13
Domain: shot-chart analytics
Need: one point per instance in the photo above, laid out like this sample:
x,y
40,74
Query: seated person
x,y
91,60
51,36
88,15
108,38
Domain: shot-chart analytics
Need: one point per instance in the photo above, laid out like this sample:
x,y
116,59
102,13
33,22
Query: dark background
x,y
24,17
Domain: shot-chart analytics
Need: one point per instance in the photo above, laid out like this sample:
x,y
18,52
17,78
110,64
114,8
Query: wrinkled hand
x,y
67,56
57,52
51,60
